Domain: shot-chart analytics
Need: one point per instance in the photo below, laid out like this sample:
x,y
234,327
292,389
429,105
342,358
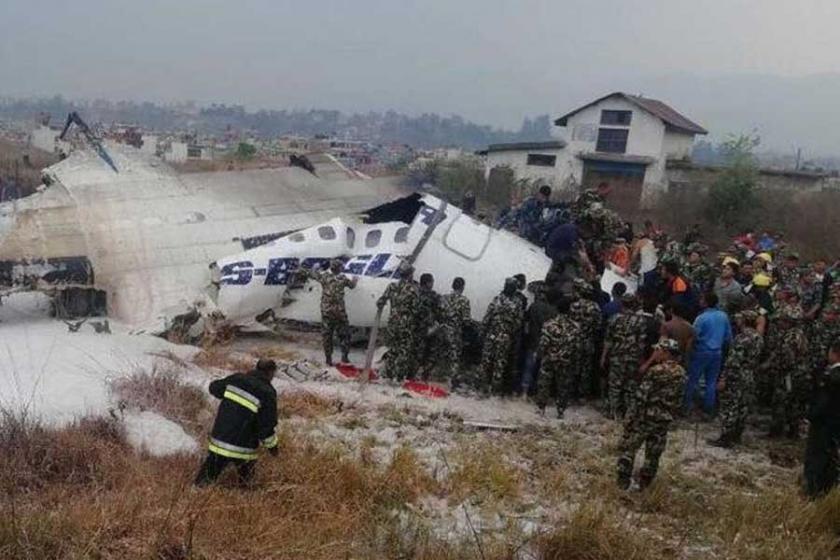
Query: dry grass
x,y
307,405
482,472
163,390
598,533
223,358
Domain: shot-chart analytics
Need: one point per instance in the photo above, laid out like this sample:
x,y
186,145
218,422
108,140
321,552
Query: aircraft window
x,y
372,238
326,233
351,237
402,235
297,237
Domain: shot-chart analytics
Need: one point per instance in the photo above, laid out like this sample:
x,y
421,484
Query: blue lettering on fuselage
x,y
277,273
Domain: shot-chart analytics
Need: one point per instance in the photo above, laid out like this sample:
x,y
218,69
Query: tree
x,y
732,197
245,151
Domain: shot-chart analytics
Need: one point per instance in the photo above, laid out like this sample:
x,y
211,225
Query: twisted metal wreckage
x,y
159,250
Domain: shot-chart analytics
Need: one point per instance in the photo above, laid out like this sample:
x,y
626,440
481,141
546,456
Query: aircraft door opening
x,y
467,238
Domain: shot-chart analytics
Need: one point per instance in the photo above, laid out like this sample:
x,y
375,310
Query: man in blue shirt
x,y
712,333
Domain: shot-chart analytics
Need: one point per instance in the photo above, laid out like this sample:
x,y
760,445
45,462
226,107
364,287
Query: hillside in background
x,y
425,131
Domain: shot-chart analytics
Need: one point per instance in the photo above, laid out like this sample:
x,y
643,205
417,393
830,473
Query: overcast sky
x,y
491,61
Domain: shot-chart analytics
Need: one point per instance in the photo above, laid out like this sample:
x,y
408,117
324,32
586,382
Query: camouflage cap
x,y
749,316
582,286
668,344
792,255
629,299
788,312
695,247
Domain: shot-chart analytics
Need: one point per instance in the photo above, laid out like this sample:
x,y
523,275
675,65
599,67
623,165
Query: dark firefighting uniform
x,y
246,419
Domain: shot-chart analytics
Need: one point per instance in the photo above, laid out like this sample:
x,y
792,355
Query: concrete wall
x,y
678,145
557,177
681,176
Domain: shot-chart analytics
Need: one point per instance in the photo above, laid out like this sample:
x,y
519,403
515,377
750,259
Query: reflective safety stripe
x,y
244,394
270,441
233,451
241,400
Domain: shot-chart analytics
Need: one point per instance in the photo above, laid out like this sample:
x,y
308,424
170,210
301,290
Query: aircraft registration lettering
x,y
277,273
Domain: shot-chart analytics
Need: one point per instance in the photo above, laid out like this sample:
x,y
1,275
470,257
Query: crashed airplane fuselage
x,y
440,238
146,235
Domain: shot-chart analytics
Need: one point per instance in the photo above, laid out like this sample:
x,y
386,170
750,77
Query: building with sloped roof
x,y
621,139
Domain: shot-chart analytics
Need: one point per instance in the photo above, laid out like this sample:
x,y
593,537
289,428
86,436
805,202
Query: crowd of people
x,y
679,335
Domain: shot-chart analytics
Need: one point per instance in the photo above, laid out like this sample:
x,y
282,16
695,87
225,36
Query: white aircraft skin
x,y
256,280
150,234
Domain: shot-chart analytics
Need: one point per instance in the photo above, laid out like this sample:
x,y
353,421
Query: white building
x,y
621,139
538,162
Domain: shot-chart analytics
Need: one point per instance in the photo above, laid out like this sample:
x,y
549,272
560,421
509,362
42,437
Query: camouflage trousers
x,y
495,355
584,369
790,397
621,385
451,347
654,437
736,398
555,380
335,327
401,360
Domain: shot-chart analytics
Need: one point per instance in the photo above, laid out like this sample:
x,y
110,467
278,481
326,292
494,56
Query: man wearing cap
x,y
529,214
455,314
789,368
587,314
737,383
622,355
428,319
502,319
697,271
246,420
404,297
788,274
559,351
333,311
655,406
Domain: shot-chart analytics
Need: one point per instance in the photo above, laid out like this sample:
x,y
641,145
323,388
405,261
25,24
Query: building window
x,y
617,118
542,160
612,140
193,152
372,238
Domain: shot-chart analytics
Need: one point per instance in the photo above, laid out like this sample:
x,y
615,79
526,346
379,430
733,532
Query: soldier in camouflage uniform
x,y
455,313
655,405
501,322
697,271
587,314
586,199
736,383
333,312
404,297
788,275
428,319
790,373
559,345
622,355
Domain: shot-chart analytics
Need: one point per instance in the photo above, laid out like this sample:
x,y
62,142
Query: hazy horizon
x,y
731,65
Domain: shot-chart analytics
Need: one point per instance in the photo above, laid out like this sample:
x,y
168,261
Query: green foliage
x,y
245,151
732,197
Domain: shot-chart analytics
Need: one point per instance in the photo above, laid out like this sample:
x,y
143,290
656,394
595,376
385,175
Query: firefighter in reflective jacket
x,y
246,419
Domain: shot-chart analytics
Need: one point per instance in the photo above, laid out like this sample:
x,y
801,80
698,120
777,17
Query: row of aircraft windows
x,y
372,239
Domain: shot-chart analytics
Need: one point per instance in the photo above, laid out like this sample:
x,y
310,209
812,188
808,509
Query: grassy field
x,y
394,478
